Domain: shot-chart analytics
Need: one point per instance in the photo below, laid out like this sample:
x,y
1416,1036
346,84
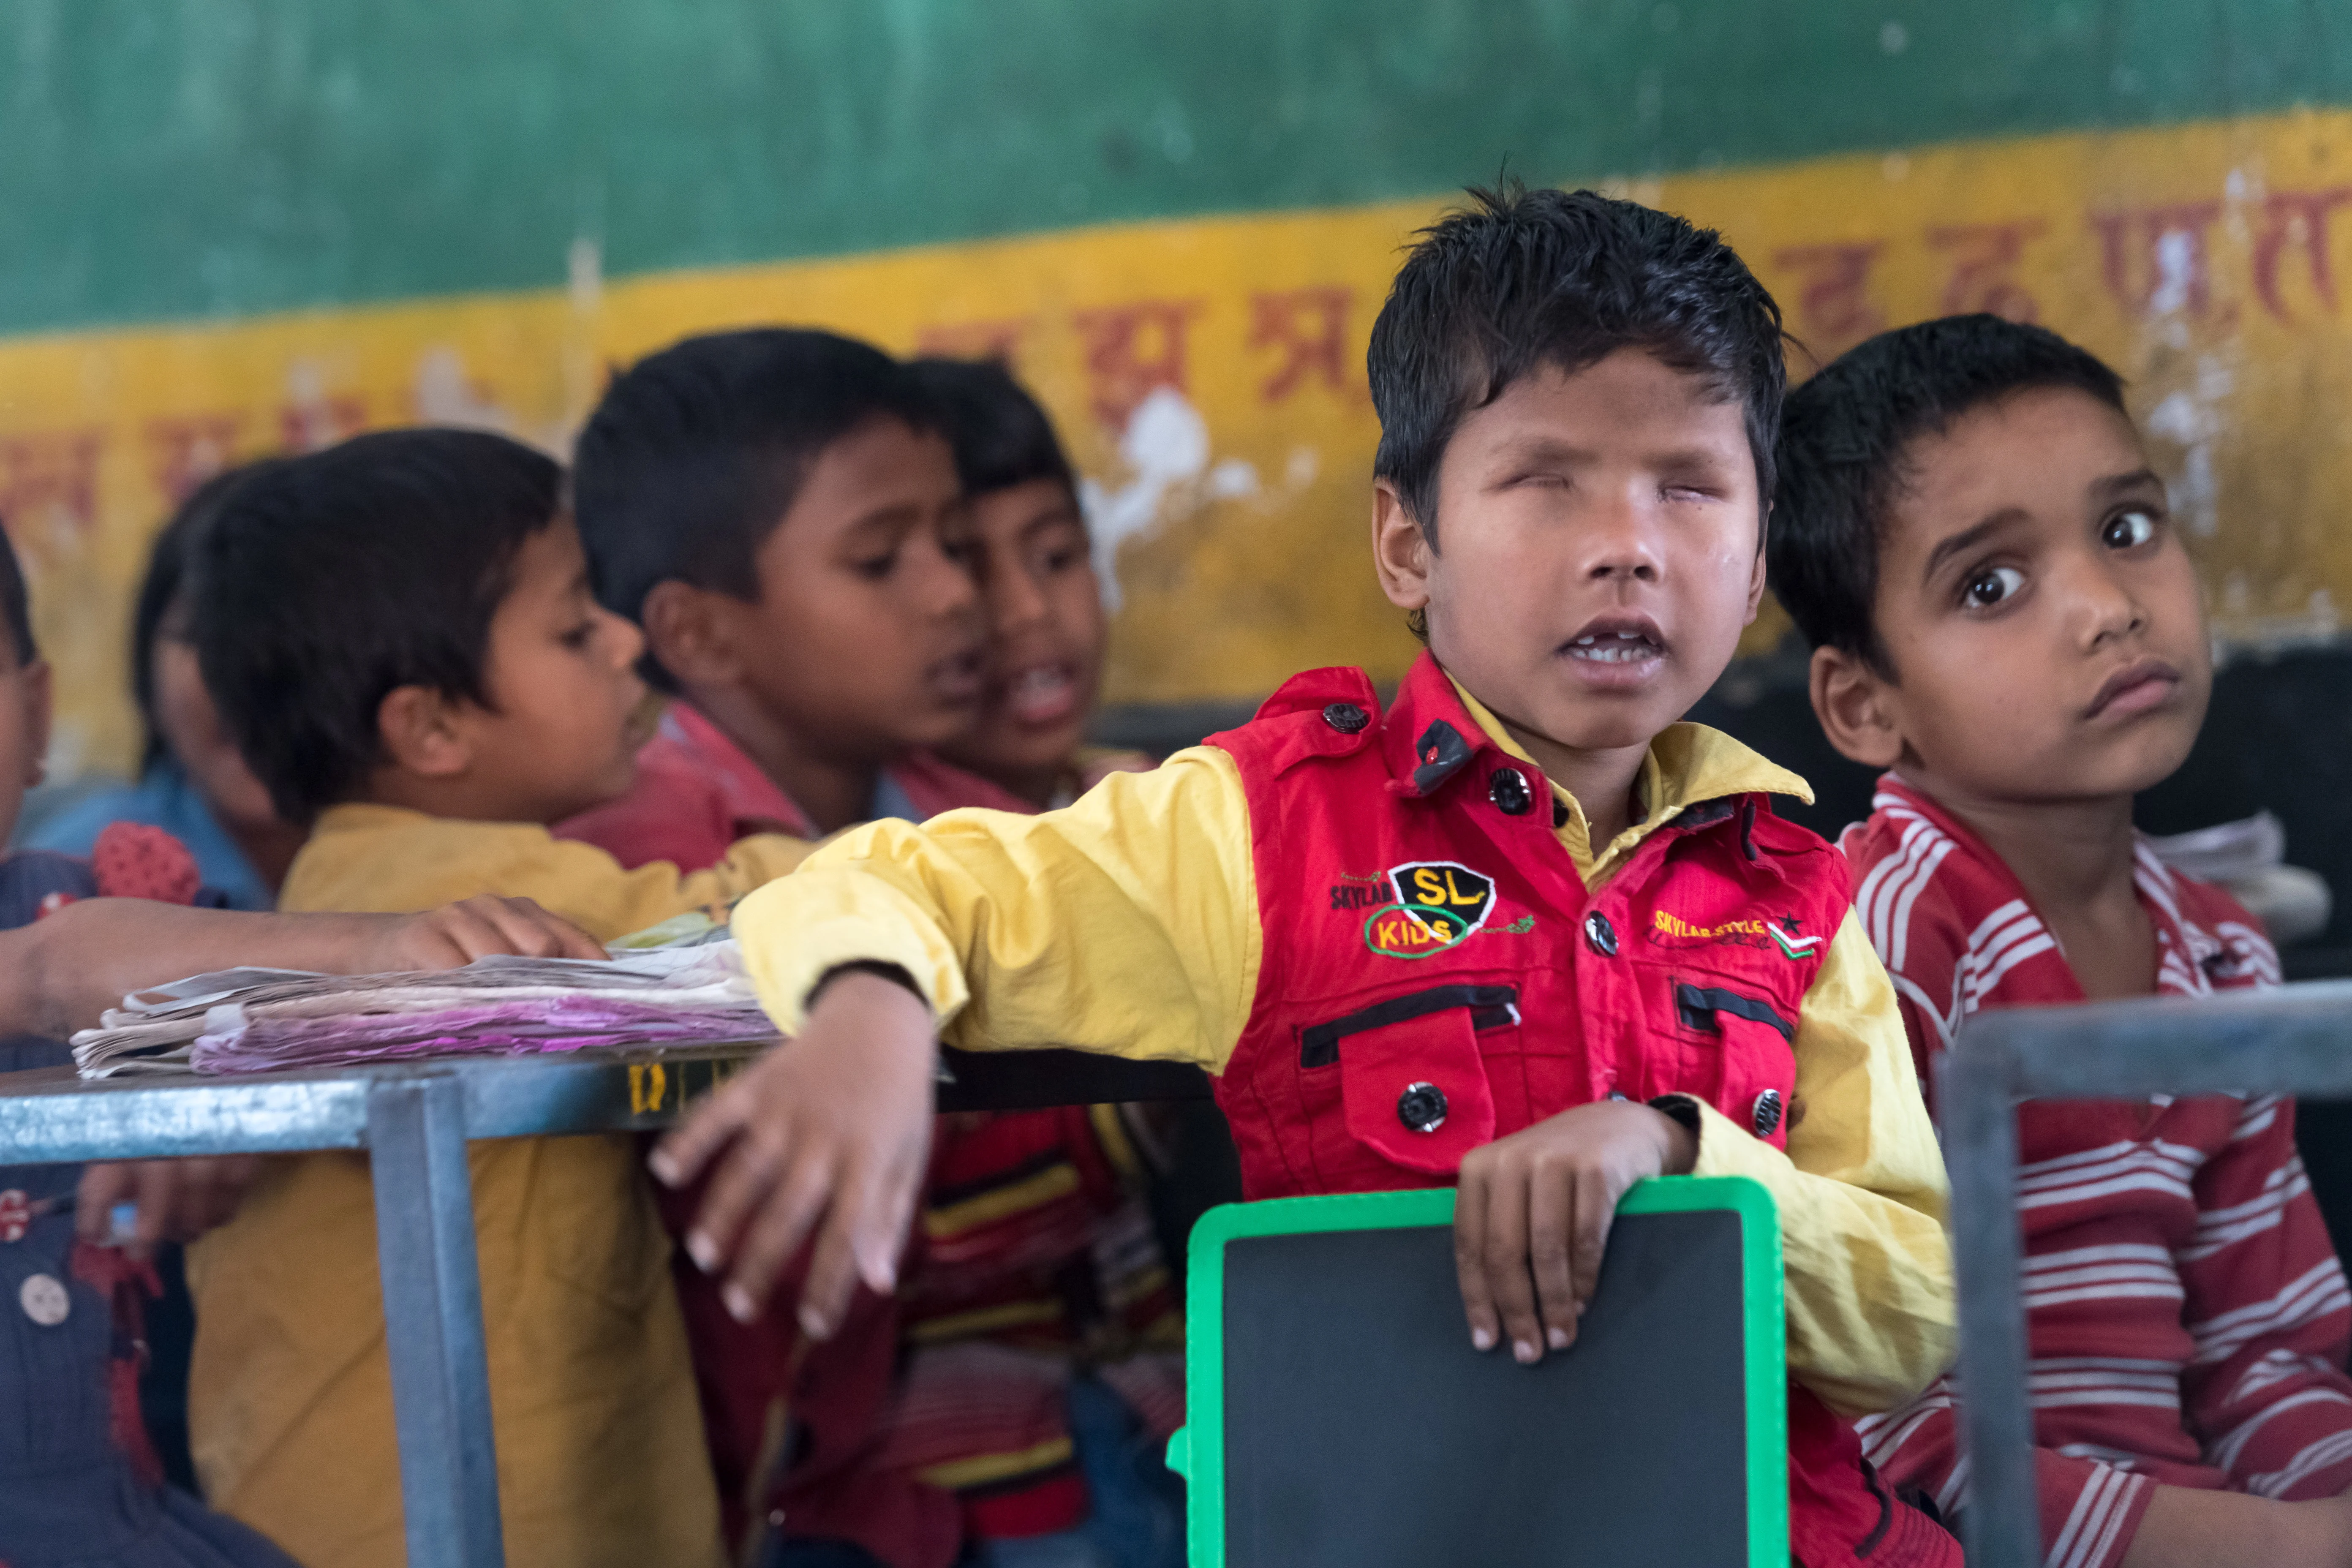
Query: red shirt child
x,y
2187,1315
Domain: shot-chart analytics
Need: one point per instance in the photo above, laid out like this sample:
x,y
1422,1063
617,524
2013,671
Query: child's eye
x,y
581,636
1991,585
876,567
2128,529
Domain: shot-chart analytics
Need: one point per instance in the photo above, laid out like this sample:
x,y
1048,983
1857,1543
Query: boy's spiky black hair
x,y
1002,437
1521,280
694,455
1844,437
323,582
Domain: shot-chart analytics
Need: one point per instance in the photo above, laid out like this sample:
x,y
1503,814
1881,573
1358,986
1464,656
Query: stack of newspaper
x,y
688,991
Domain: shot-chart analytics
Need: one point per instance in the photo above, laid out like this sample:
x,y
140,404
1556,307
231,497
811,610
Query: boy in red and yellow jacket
x,y
1523,933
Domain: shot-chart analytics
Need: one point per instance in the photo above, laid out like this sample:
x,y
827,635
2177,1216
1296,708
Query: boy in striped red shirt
x,y
2003,616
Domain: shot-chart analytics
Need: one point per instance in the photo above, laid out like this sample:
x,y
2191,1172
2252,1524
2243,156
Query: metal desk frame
x,y
2294,1040
415,1122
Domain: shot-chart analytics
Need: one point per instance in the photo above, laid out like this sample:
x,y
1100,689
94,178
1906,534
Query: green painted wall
x,y
184,158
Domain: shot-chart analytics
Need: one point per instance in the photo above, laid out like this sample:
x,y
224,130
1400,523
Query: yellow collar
x,y
1685,762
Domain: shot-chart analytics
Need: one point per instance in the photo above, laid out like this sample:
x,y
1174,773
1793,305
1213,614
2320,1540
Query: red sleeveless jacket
x,y
1435,976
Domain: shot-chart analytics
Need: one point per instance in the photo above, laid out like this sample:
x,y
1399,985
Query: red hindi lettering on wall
x,y
189,448
999,340
1309,326
2285,216
2155,260
49,483
1984,268
1132,350
1835,310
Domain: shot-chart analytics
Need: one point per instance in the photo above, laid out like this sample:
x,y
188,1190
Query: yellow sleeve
x,y
1861,1194
1126,923
388,863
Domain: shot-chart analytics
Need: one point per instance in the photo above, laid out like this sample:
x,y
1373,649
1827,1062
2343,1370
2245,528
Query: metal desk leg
x,y
433,1322
2002,1524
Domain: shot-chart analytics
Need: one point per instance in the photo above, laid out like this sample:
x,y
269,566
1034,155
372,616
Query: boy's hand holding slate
x,y
1533,1216
828,1134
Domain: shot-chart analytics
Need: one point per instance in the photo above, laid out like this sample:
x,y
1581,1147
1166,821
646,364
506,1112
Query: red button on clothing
x,y
15,1216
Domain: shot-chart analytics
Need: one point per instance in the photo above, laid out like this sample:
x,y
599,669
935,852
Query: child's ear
x,y
1756,571
38,711
1400,550
421,732
690,633
1856,707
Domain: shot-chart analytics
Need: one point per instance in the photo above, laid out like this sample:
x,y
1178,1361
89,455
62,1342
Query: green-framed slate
x,y
1339,1416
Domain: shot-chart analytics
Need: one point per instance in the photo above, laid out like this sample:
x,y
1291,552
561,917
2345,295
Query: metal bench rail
x,y
2294,1040
414,1120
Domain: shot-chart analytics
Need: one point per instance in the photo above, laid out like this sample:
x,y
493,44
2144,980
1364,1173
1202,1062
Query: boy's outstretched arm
x,y
57,974
1126,924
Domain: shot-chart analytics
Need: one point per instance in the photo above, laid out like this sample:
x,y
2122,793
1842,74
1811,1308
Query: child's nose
x,y
1621,538
2105,604
627,638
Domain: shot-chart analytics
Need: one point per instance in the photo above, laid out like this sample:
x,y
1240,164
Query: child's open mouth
x,y
1045,695
1614,647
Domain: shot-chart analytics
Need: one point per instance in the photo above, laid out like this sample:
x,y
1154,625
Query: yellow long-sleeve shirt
x,y
600,1442
1129,923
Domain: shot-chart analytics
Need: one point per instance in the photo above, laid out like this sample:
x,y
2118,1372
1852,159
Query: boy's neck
x,y
1602,781
2070,855
2075,860
832,791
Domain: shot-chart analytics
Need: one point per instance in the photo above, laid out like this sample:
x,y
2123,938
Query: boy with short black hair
x,y
782,511
742,496
1578,398
400,635
79,1481
1047,631
2004,615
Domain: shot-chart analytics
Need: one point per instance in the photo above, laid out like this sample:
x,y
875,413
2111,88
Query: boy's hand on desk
x,y
457,934
829,1133
177,1200
1532,1215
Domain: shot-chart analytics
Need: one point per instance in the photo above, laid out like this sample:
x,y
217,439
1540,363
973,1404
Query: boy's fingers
x,y
1551,1212
1469,1260
679,1157
101,1187
740,1181
1596,1206
1506,1258
532,931
776,1230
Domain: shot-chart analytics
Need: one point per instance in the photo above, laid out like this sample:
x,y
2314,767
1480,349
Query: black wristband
x,y
1682,1107
894,974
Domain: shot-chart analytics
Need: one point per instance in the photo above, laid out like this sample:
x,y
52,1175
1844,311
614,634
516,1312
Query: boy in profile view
x,y
1047,630
400,636
1578,400
2003,616
782,512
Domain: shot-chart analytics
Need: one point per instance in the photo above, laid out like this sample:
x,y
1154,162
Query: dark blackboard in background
x,y
1340,1419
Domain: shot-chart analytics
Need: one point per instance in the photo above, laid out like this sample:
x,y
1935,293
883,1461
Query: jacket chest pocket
x,y
1412,1081
1742,1040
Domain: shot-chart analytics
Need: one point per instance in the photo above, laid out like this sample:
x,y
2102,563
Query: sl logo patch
x,y
1438,903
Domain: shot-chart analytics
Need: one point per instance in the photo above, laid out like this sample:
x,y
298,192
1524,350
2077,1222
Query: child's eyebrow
x,y
1970,538
2119,484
